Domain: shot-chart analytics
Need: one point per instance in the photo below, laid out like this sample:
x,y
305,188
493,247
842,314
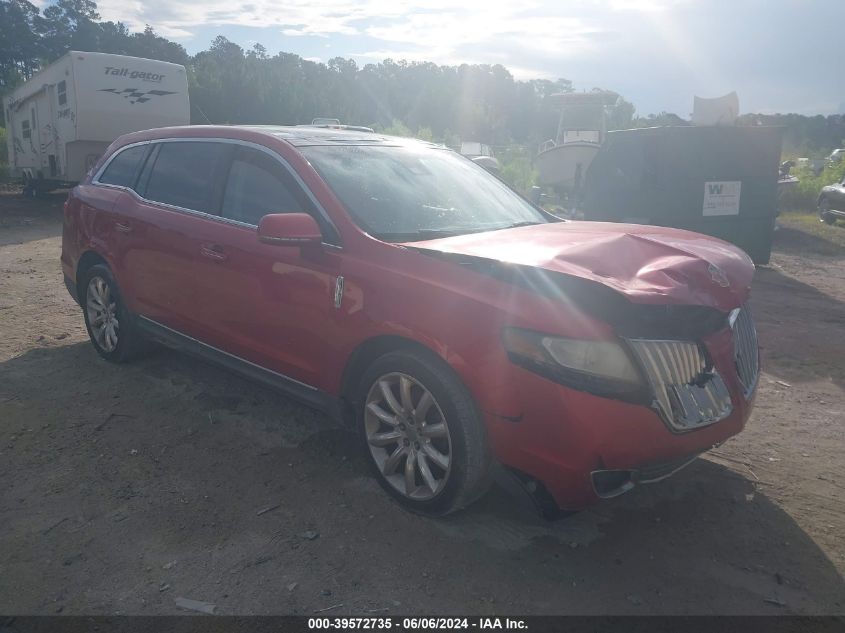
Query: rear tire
x,y
422,433
110,325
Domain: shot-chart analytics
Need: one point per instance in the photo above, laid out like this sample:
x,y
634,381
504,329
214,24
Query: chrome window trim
x,y
188,139
96,178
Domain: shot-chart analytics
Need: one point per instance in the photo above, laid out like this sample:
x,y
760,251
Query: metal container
x,y
721,181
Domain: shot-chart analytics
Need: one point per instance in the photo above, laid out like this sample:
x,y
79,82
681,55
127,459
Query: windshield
x,y
416,192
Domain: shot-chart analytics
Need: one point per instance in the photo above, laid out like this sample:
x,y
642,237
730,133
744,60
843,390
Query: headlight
x,y
601,367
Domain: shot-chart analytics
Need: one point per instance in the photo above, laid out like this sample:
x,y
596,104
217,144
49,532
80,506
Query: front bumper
x,y
564,436
612,483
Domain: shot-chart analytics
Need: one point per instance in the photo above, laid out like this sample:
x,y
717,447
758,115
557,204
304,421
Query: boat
x,y
482,154
562,162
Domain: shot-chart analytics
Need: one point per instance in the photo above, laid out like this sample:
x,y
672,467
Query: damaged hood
x,y
647,264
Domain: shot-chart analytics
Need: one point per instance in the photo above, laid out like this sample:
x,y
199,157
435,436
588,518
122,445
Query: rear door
x,y
176,195
99,217
102,211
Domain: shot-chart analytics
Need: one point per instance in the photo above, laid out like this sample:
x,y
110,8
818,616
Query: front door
x,y
271,305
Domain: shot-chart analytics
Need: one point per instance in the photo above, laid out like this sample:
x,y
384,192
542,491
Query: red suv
x,y
400,287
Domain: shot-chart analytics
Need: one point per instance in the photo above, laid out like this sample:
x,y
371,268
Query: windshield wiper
x,y
427,234
452,230
449,231
516,225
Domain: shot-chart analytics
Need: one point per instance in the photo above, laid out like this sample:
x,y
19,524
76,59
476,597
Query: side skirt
x,y
306,394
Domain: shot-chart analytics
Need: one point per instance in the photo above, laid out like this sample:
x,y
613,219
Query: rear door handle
x,y
213,251
123,228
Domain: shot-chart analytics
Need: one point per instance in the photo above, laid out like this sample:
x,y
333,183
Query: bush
x,y
397,128
516,168
803,196
425,134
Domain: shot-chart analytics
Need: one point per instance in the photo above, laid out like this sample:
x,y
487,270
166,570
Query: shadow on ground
x,y
784,306
23,219
126,487
819,239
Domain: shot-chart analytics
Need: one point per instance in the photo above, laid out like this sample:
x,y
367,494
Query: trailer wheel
x,y
30,189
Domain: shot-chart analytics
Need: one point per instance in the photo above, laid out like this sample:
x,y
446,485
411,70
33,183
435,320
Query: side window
x,y
186,173
62,92
25,130
259,185
123,167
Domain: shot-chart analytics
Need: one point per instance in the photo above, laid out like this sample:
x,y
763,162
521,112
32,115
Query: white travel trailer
x,y
60,121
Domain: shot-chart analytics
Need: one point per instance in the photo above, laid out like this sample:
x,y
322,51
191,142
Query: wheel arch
x,y
369,350
87,260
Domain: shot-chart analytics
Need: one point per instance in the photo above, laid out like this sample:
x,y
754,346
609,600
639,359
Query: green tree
x,y
20,42
70,25
469,102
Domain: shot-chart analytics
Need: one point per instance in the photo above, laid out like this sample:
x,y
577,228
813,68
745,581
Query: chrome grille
x,y
746,351
687,394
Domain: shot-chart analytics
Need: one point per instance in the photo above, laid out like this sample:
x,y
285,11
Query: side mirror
x,y
289,229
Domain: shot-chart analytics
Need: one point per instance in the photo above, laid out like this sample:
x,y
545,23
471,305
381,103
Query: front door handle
x,y
213,251
122,228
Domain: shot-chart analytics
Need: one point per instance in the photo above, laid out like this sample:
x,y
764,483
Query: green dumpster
x,y
721,181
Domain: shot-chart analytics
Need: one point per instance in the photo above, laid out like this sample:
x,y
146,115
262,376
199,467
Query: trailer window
x,y
62,92
123,168
25,131
188,174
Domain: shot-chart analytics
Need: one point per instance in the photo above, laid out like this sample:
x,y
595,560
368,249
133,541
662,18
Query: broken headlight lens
x,y
601,367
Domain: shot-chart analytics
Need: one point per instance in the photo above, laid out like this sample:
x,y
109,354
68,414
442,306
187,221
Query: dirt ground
x,y
125,488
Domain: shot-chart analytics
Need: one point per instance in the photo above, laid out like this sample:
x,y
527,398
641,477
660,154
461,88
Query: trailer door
x,y
47,134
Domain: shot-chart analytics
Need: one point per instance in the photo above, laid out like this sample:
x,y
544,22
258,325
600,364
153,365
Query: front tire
x,y
110,325
422,433
824,212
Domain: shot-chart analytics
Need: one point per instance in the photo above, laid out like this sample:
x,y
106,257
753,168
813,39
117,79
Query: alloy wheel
x,y
101,306
408,436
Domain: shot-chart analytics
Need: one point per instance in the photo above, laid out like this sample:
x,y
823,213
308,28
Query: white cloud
x,y
532,38
476,31
423,22
442,31
296,17
657,52
644,5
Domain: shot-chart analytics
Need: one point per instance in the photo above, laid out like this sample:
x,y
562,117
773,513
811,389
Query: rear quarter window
x,y
187,174
123,168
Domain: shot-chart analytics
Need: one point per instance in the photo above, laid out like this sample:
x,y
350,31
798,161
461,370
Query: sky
x,y
778,55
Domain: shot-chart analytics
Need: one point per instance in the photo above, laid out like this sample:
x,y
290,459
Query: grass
x,y
803,232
